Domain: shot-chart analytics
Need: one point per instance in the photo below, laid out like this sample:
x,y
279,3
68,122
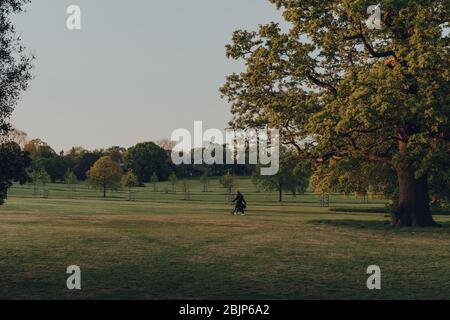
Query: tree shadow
x,y
355,224
441,212
380,210
359,210
380,226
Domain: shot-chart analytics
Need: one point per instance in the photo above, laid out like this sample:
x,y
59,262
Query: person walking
x,y
241,204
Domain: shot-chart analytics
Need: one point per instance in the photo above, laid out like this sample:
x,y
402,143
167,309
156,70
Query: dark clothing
x,y
241,204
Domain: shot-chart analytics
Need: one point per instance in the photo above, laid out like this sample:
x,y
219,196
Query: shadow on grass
x,y
359,210
436,212
441,212
355,224
379,225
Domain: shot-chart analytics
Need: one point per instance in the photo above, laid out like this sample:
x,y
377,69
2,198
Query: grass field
x,y
162,247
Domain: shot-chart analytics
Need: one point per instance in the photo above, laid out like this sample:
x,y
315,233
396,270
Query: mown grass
x,y
162,247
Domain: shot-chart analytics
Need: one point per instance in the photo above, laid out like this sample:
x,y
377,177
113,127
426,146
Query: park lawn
x,y
162,247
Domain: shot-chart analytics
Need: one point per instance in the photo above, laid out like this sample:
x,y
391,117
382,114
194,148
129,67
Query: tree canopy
x,y
105,174
147,158
130,180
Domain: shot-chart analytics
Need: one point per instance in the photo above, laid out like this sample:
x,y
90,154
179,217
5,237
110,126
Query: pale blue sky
x,y
136,71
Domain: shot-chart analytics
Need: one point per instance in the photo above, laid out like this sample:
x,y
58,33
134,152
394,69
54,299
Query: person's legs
x,y
241,208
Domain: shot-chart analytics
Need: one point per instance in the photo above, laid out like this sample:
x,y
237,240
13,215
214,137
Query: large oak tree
x,y
340,91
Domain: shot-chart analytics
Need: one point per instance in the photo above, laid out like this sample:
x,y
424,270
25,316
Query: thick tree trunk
x,y
281,193
414,201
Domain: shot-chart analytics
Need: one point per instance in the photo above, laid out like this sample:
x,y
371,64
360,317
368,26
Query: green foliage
x,y
186,190
440,187
147,158
117,154
70,179
256,179
15,68
105,174
130,180
13,164
43,178
40,179
353,176
154,181
204,180
293,175
15,64
227,181
56,167
39,149
173,181
83,160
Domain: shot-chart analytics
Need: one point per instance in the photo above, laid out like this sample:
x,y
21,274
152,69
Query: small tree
x,y
173,181
40,178
105,174
154,181
130,181
204,179
43,178
293,176
187,190
33,174
256,179
227,181
70,179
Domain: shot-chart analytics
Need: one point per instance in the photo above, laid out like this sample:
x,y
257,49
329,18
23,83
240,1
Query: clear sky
x,y
136,71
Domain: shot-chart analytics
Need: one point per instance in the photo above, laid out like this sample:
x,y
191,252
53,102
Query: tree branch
x,y
368,46
322,84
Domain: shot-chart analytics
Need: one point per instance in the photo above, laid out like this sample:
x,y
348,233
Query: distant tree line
x,y
148,161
